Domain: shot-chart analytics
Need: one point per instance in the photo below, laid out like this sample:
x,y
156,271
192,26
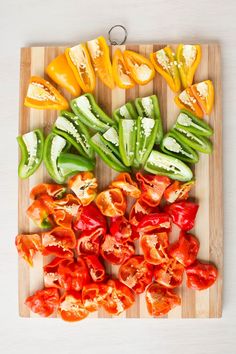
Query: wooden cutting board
x,y
208,174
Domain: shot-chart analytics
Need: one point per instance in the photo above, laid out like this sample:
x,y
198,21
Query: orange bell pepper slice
x,y
186,100
59,242
44,302
126,184
111,202
204,93
178,191
165,63
60,72
141,69
27,246
79,60
84,185
53,190
121,71
99,53
66,210
71,307
188,58
40,211
43,95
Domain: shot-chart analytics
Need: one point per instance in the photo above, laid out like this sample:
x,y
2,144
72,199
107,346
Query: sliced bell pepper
x,y
88,111
197,142
93,295
188,58
140,68
84,185
75,132
27,246
41,210
127,140
170,274
178,191
112,140
111,202
71,308
155,222
59,241
185,250
126,184
43,95
201,276
79,61
89,242
121,71
204,93
99,53
90,219
186,100
116,252
138,210
50,273
60,72
66,210
31,145
73,274
44,302
96,268
56,191
70,164
164,61
154,247
121,229
183,214
146,135
164,165
149,107
102,148
127,111
191,123
54,145
172,145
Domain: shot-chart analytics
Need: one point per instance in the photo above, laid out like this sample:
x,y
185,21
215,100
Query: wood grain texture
x,y
208,173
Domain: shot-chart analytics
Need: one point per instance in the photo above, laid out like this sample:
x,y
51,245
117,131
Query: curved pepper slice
x,y
55,191
96,268
183,214
89,241
43,95
204,93
177,191
43,302
31,146
93,296
185,250
197,142
160,300
99,53
186,100
188,57
138,210
90,218
84,185
154,247
73,274
71,308
154,222
27,246
116,252
111,202
164,165
201,276
140,68
192,124
165,63
70,164
170,274
50,273
66,210
60,72
152,188
59,242
79,61
75,132
121,229
126,184
41,210
127,140
121,71
127,111
112,141
146,136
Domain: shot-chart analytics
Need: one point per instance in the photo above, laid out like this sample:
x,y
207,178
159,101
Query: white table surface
x,y
35,22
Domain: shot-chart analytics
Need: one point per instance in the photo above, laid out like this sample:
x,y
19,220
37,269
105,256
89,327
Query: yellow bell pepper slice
x,y
43,95
140,68
60,72
204,94
165,63
186,100
100,55
188,58
121,71
79,60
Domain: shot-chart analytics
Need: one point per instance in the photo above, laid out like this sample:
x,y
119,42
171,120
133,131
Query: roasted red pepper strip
x,y
73,274
89,242
59,242
90,218
53,190
116,252
160,300
71,307
169,274
93,295
43,302
183,214
200,275
152,187
66,210
27,246
111,202
178,191
96,268
126,184
154,222
84,185
136,273
154,247
40,212
120,228
51,275
139,210
185,250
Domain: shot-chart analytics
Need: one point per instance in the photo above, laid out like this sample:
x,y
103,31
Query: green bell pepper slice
x,y
197,142
172,145
102,148
127,140
149,107
146,136
53,147
165,165
70,164
68,126
112,140
88,112
31,145
127,111
193,124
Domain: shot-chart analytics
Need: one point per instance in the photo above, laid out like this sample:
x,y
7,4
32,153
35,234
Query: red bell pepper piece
x,y
183,214
73,275
200,275
155,221
43,302
89,242
120,228
90,218
96,268
185,250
